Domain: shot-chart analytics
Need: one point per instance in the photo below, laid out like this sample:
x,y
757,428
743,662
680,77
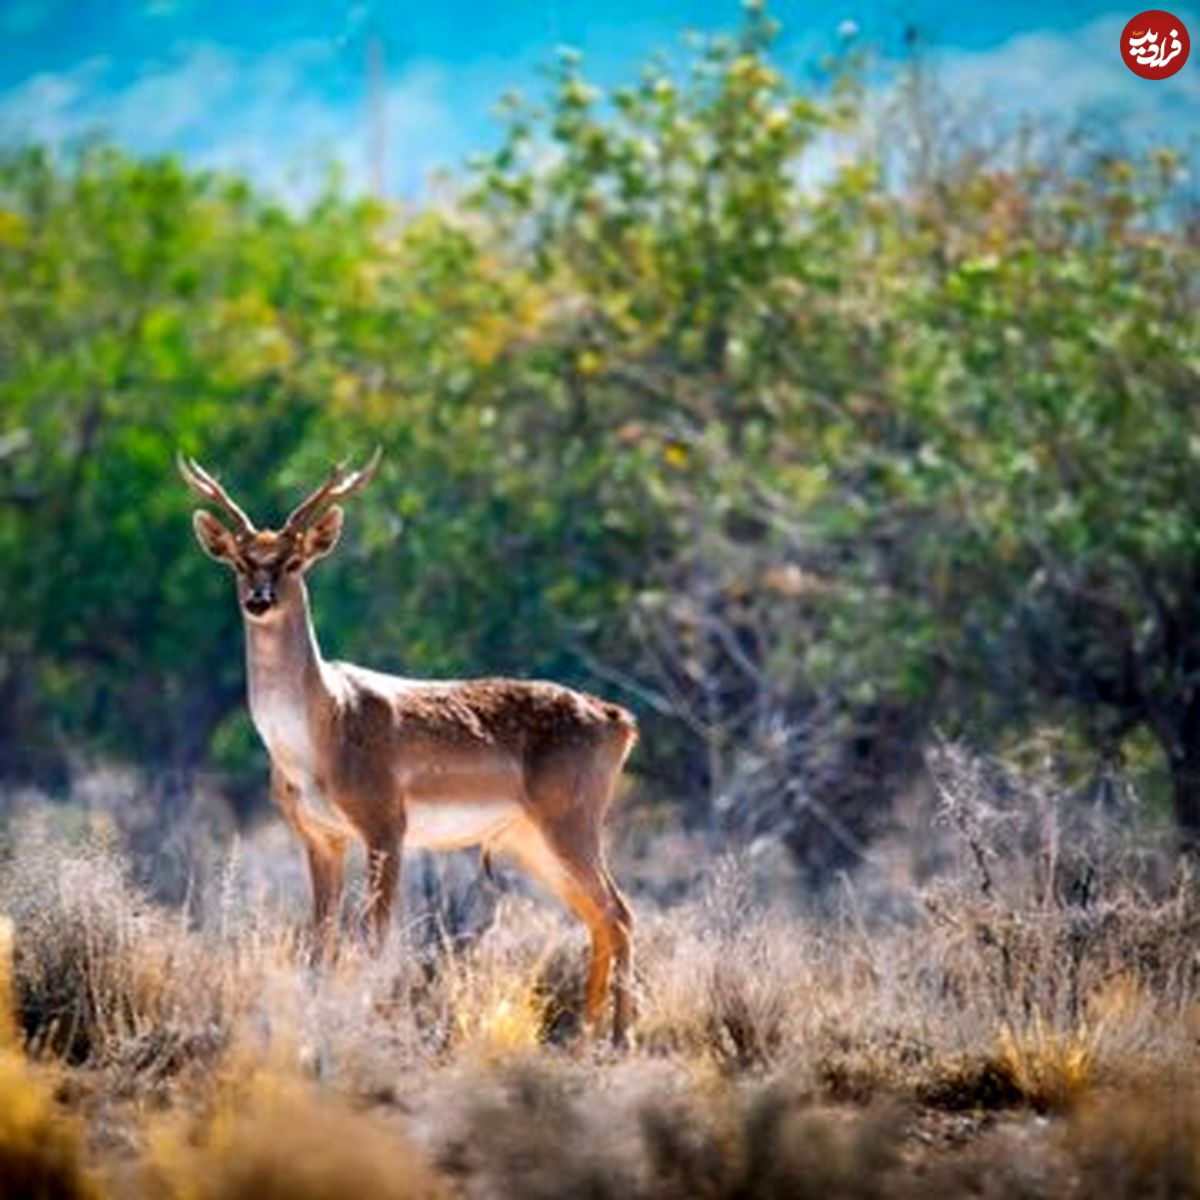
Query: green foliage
x,y
778,439
146,309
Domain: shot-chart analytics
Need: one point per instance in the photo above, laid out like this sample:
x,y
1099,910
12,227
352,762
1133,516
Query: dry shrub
x,y
544,1130
861,1068
987,1004
171,827
100,975
494,1015
994,1162
516,988
1061,938
1015,965
970,1083
529,1132
1033,1065
767,1143
41,1151
747,1010
272,1138
721,980
1142,1142
1051,1069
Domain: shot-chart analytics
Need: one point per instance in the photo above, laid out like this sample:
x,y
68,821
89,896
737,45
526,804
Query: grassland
x,y
1004,1000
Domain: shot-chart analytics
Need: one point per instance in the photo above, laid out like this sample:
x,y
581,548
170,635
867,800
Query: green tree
x,y
696,396
950,420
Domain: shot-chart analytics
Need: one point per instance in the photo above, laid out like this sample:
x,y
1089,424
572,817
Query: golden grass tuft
x,y
41,1149
512,992
1054,1068
9,1036
496,1014
1051,1069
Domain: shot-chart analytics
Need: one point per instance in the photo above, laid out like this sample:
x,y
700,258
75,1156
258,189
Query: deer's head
x,y
269,563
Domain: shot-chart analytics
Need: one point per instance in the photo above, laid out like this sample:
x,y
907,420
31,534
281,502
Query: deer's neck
x,y
286,679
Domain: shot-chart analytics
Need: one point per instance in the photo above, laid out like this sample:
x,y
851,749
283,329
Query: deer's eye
x,y
293,565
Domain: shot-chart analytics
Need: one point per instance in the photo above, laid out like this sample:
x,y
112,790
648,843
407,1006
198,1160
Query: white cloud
x,y
1074,78
1042,94
283,118
46,106
175,101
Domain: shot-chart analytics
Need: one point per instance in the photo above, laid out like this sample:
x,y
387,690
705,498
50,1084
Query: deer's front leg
x,y
326,865
325,846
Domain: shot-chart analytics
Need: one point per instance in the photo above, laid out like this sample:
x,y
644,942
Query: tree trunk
x,y
1177,731
1185,787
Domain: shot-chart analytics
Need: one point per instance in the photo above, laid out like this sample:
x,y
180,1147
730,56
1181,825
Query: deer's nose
x,y
259,599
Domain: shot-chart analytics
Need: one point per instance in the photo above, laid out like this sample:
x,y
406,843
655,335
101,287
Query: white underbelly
x,y
449,824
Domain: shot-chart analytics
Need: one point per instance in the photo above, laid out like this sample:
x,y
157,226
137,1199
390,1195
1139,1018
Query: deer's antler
x,y
340,484
204,485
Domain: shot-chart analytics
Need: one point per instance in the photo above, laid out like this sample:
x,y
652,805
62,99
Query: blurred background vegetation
x,y
802,430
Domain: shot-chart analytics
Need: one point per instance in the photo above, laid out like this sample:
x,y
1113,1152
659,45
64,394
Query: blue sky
x,y
275,90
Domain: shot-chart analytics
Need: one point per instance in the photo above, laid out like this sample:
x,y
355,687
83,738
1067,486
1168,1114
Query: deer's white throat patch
x,y
282,723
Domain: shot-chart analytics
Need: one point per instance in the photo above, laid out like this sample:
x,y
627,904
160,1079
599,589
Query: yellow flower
x,y
589,363
345,388
676,455
746,68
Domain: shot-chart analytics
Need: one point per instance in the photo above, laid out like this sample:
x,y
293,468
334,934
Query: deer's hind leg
x,y
623,999
560,842
581,888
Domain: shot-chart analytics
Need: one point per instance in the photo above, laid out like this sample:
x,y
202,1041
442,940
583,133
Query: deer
x,y
524,768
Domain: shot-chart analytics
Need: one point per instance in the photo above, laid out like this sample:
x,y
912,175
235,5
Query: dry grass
x,y
101,973
269,1136
1144,1142
41,1149
1015,1024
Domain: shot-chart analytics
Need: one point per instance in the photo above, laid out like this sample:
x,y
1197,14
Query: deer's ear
x,y
323,535
215,540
